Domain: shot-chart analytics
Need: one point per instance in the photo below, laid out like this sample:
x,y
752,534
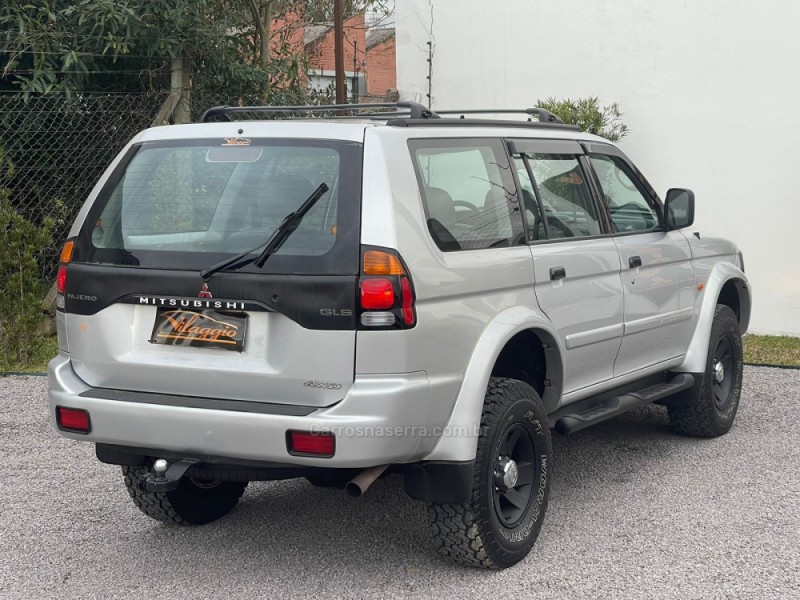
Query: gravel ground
x,y
635,512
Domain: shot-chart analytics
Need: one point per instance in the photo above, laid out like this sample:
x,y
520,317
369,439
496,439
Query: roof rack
x,y
445,122
544,116
399,114
357,111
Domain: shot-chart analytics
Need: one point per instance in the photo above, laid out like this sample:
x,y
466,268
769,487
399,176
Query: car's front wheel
x,y
712,413
498,525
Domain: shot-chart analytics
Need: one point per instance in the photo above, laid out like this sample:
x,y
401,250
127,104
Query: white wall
x,y
710,91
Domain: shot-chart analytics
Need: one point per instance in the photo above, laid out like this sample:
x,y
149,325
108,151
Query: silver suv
x,y
397,290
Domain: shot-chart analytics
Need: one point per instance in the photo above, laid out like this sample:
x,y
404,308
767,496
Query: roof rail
x,y
544,116
447,122
414,110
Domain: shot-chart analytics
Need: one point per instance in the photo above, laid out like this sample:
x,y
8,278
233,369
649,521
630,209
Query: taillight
x,y
310,443
66,251
61,276
73,419
407,297
378,262
61,279
377,294
386,291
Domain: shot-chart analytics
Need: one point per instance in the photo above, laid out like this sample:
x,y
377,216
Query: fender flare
x,y
459,439
722,273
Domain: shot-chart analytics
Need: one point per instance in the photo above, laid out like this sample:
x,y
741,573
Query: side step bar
x,y
621,404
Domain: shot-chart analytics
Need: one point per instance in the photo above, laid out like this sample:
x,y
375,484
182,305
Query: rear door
x,y
576,266
138,315
656,275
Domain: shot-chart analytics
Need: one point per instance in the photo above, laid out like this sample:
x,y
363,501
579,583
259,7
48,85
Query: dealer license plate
x,y
206,328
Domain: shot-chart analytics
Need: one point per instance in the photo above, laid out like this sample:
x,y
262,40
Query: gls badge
x,y
336,312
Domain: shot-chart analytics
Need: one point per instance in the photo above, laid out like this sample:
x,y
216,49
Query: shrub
x,y
587,113
22,316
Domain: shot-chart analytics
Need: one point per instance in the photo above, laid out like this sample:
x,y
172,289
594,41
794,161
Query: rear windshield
x,y
186,205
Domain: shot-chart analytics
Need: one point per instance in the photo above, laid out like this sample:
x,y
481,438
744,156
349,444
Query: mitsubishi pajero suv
x,y
392,289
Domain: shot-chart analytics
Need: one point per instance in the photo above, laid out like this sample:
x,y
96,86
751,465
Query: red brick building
x,y
369,59
381,64
319,44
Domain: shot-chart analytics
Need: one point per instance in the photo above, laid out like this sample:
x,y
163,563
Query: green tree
x,y
587,113
127,45
22,318
321,11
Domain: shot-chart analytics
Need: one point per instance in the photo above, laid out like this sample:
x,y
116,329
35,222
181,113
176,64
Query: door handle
x,y
557,273
635,261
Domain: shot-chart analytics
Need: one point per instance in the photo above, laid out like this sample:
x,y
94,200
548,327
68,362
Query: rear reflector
x,y
314,444
377,294
72,419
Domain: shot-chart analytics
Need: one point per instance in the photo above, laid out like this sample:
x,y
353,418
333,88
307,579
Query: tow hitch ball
x,y
165,477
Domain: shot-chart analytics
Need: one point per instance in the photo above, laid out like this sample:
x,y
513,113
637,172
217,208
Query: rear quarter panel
x,y
459,294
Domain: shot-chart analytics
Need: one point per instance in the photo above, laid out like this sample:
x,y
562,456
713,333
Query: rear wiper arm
x,y
289,224
275,241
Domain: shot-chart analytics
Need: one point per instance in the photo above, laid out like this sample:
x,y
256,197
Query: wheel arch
x,y
735,294
726,285
515,330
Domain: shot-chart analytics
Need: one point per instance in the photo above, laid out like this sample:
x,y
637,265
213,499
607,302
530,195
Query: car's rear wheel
x,y
498,525
713,411
195,502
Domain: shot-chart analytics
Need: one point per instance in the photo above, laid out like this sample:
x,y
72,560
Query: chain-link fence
x,y
58,146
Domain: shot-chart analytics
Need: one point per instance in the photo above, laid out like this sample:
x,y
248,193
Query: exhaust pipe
x,y
359,484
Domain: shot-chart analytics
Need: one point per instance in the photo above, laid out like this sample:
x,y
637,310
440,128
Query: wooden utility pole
x,y
338,50
264,31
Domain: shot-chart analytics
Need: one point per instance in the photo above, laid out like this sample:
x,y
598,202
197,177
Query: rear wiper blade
x,y
289,224
275,241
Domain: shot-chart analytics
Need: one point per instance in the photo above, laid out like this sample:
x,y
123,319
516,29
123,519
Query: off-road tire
x,y
472,533
705,418
191,504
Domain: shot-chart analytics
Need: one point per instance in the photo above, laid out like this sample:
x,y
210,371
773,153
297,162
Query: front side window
x,y
561,186
187,205
468,193
629,208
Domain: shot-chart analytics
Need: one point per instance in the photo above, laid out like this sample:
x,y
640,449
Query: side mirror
x,y
679,208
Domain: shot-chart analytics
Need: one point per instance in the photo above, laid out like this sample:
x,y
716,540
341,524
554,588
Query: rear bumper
x,y
381,420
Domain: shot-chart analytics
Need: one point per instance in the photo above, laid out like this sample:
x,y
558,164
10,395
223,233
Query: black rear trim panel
x,y
322,302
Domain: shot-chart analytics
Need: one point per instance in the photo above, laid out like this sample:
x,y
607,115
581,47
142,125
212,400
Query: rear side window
x,y
468,193
187,205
